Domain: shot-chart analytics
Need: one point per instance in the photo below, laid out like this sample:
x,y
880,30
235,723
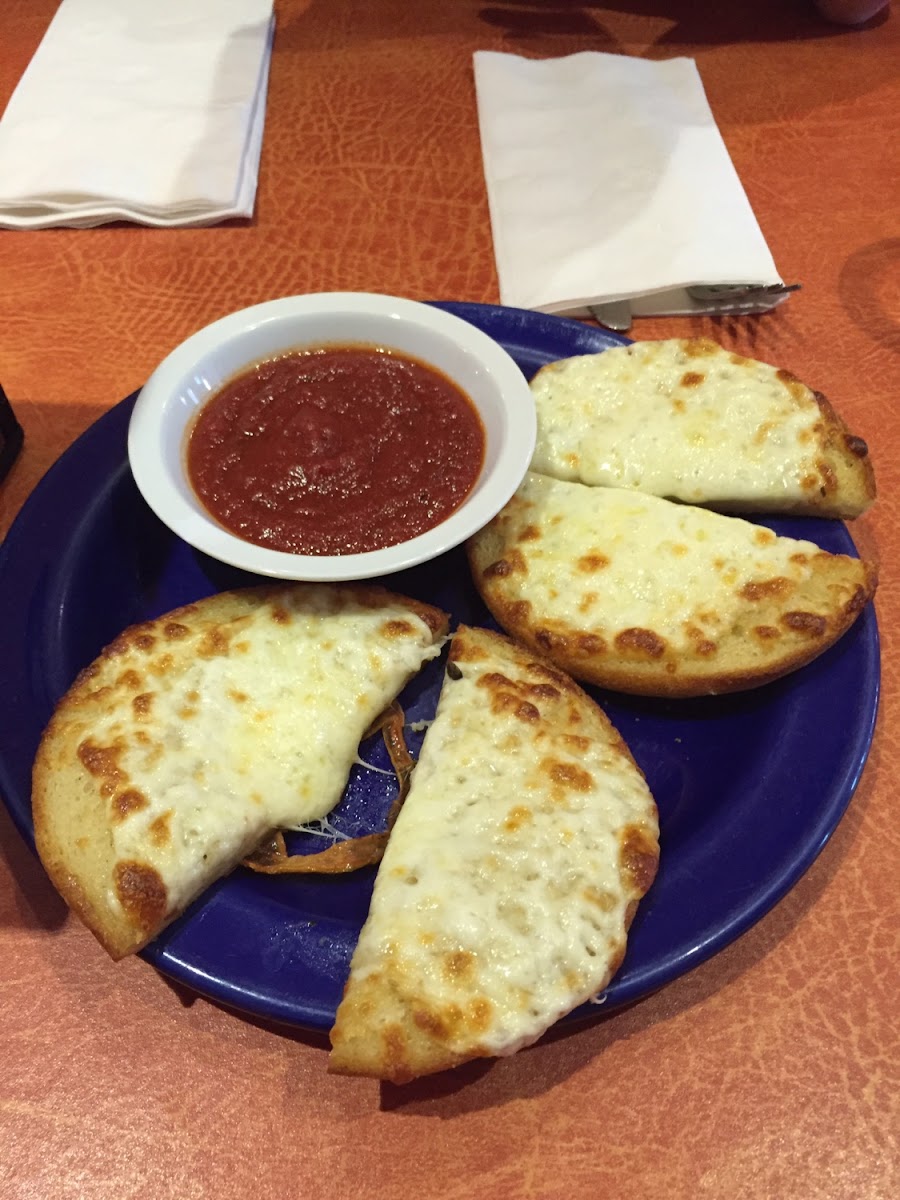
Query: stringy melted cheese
x,y
612,559
500,902
700,425
257,737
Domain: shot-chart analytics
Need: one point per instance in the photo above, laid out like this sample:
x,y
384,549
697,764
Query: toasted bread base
x,y
775,623
687,419
512,875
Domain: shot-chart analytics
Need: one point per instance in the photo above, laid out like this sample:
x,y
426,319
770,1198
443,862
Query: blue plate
x,y
749,787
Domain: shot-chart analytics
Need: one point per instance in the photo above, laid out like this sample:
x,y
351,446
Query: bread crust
x,y
781,625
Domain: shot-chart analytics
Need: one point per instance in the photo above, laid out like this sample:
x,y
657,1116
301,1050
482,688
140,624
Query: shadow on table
x,y
36,903
690,23
864,278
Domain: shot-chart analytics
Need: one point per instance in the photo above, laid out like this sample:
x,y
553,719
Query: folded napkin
x,y
608,180
138,110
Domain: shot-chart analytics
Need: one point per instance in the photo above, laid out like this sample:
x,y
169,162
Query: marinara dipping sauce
x,y
335,450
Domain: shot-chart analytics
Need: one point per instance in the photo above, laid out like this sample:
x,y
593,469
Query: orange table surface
x,y
773,1070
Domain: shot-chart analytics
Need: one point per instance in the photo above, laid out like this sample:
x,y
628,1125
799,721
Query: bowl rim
x,y
155,475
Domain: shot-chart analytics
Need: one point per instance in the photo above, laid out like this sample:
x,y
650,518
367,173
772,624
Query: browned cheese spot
x,y
542,691
129,679
470,653
530,533
810,483
766,633
446,1023
800,558
127,802
762,432
590,563
238,696
641,642
215,643
810,624
588,645
700,643
458,964
280,614
638,857
161,666
506,696
495,679
603,899
103,763
577,741
679,405
513,564
548,640
142,703
397,628
567,775
764,537
587,601
738,360
692,379
799,392
141,893
160,831
700,347
517,817
131,639
175,631
767,589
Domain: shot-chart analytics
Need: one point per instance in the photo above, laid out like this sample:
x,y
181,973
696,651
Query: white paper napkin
x,y
608,180
138,110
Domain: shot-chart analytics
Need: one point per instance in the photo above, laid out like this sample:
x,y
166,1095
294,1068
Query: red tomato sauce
x,y
336,450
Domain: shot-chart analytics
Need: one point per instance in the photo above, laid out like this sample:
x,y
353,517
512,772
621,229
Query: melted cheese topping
x,y
258,735
700,427
611,559
500,896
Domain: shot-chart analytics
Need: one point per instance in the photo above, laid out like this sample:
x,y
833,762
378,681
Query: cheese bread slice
x,y
689,420
194,735
511,876
643,595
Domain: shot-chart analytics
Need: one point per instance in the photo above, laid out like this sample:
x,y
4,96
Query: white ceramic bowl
x,y
210,358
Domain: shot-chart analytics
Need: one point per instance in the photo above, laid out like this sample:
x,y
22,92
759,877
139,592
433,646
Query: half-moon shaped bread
x,y
643,595
511,876
194,735
691,421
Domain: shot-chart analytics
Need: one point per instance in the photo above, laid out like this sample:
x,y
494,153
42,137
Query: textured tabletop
x,y
771,1071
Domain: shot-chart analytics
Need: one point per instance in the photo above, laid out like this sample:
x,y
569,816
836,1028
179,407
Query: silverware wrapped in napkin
x,y
609,184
